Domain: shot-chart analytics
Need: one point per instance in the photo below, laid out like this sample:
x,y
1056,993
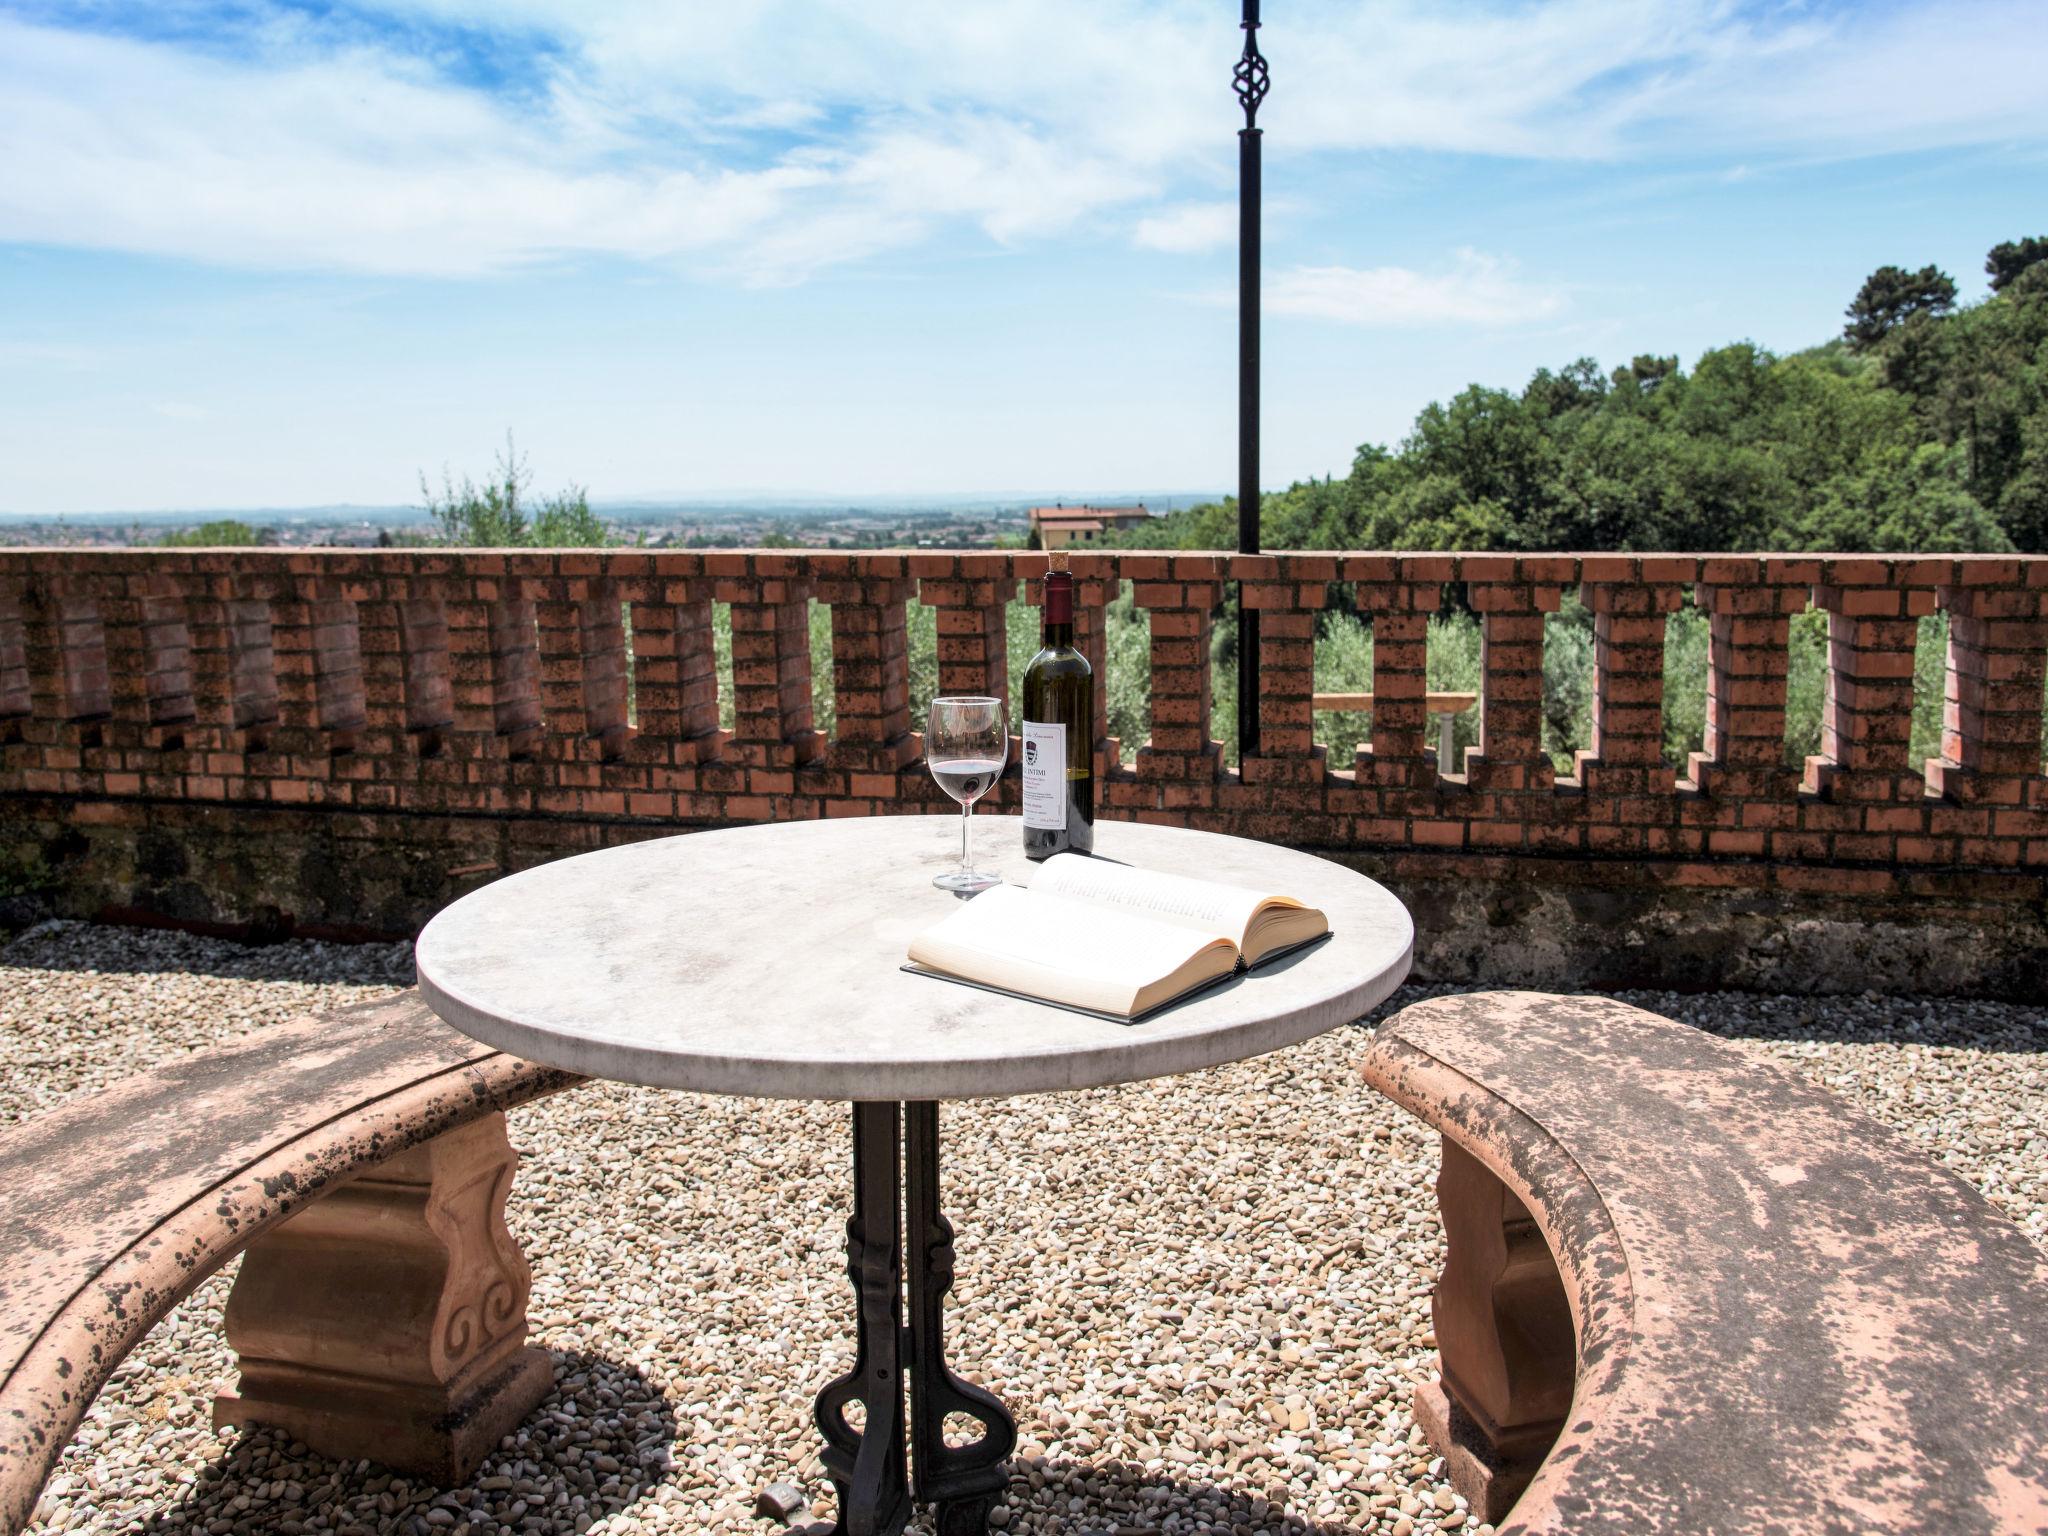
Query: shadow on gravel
x,y
1117,1497
1856,1018
71,946
603,1435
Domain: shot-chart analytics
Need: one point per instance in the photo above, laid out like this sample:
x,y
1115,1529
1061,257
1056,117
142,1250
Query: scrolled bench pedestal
x,y
1504,1333
388,1320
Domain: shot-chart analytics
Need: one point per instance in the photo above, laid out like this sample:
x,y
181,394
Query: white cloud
x,y
1477,289
1189,227
796,133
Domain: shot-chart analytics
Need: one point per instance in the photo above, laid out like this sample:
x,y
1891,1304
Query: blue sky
x,y
270,254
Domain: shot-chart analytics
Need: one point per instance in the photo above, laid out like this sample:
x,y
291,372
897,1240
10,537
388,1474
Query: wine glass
x,y
966,742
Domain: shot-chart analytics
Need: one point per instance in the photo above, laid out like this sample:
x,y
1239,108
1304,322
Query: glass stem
x,y
966,810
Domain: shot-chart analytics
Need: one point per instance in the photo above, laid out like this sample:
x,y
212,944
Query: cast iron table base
x,y
876,1468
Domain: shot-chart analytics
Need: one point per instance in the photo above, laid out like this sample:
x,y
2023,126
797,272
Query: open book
x,y
1106,938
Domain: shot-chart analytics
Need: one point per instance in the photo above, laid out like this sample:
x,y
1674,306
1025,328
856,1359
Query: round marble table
x,y
765,961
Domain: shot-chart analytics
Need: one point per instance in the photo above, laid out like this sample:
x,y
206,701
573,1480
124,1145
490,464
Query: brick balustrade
x,y
496,684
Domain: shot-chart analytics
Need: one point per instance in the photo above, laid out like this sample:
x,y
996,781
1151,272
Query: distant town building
x,y
1059,526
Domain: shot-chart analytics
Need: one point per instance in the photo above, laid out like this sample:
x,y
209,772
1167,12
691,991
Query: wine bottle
x,y
1059,730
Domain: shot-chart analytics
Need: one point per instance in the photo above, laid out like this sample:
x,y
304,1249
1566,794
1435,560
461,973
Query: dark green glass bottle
x,y
1059,731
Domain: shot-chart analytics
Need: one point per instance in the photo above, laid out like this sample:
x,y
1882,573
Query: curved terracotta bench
x,y
360,1158
1686,1290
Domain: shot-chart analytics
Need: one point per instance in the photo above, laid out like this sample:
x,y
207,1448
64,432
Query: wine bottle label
x,y
1045,776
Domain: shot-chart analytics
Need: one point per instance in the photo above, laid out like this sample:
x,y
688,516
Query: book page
x,y
1204,905
1055,947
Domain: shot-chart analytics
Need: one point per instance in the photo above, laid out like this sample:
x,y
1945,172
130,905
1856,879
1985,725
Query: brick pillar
x,y
70,696
318,654
403,647
211,661
1867,721
1991,717
972,595
583,669
601,642
1627,752
514,642
1399,595
380,645
1749,622
1287,591
424,675
253,656
234,673
15,696
675,671
468,618
88,691
870,661
1510,754
1096,586
65,653
290,622
771,665
148,662
167,643
1180,593
130,664
558,627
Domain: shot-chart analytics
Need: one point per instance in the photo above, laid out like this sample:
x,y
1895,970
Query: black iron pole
x,y
1250,80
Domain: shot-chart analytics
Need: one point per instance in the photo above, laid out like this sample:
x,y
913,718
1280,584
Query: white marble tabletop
x,y
765,961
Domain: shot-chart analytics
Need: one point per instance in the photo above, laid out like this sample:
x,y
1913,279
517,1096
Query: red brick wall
x,y
494,684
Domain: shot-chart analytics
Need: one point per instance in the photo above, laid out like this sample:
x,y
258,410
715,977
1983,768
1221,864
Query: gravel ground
x,y
1205,1299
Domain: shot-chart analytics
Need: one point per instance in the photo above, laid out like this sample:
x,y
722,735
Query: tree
x,y
1645,373
495,515
1935,438
2012,257
1890,296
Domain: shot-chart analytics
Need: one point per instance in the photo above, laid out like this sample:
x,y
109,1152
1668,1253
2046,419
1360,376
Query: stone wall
x,y
341,741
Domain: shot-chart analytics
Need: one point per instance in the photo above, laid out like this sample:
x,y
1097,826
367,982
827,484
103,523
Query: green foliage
x,y
721,662
1930,432
223,533
1806,685
2010,258
501,512
1343,665
1930,682
824,685
923,646
1890,296
1685,686
1021,633
1567,684
1452,661
1127,661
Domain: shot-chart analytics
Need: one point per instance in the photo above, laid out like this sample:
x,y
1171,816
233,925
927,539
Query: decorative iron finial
x,y
1250,78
